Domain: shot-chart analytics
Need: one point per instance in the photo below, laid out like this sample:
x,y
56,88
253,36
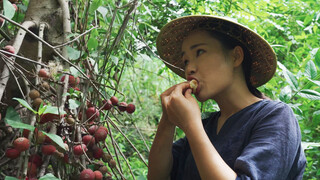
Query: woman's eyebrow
x,y
192,47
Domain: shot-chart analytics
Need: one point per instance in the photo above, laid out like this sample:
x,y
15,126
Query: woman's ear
x,y
238,56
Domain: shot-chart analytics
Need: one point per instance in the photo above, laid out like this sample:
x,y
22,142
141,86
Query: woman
x,y
251,137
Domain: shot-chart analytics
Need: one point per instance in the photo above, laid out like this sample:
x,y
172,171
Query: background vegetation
x,y
133,67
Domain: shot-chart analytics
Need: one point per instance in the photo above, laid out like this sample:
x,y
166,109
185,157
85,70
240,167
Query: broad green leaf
x,y
309,94
290,78
16,124
25,104
9,10
314,81
311,69
41,109
94,5
93,43
12,115
10,178
317,58
49,176
308,20
53,110
57,139
103,11
73,53
74,72
73,104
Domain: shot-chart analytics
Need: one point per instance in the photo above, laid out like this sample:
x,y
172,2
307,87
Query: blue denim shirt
x,y
262,141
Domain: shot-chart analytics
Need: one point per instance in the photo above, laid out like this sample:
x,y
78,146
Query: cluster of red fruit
x,y
122,106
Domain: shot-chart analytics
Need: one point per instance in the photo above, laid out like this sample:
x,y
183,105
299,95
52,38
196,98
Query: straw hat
x,y
171,36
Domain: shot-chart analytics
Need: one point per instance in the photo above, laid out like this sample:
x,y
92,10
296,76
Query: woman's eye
x,y
185,62
199,52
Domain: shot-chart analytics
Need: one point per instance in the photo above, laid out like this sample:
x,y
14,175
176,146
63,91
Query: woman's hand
x,y
180,107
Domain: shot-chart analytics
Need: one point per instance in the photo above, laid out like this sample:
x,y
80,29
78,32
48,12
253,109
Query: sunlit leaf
x,y
57,139
25,104
309,94
49,176
20,125
311,69
9,10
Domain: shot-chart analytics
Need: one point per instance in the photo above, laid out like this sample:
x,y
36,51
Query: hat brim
x,y
171,36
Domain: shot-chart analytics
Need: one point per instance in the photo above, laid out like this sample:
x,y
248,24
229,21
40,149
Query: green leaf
x,y
73,104
94,6
74,72
25,104
311,69
93,43
10,178
309,94
57,139
49,176
42,109
9,10
16,124
308,20
317,58
73,53
103,11
315,82
53,110
290,78
12,115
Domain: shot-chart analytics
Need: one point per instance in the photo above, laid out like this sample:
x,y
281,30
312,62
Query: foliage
x,y
125,59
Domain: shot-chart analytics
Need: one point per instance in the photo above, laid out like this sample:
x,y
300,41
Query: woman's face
x,y
206,62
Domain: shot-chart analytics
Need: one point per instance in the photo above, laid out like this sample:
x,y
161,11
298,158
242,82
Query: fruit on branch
x,y
37,102
9,49
48,117
32,170
97,152
21,144
88,140
103,169
12,153
40,137
36,159
112,163
70,121
122,106
48,149
43,73
77,149
33,94
72,80
100,135
114,100
130,108
45,85
107,104
87,174
92,113
106,157
92,129
98,175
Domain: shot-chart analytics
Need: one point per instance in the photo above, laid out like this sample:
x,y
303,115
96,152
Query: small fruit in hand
x,y
48,149
122,106
98,175
114,100
12,153
33,94
193,85
107,104
43,73
77,149
130,108
21,144
87,174
100,135
9,49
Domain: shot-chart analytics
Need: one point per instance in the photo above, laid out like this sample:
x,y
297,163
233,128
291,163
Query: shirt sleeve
x,y
273,145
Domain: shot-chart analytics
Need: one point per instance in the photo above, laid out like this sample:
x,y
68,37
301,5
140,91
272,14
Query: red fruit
x,y
93,129
98,175
76,88
10,49
48,149
122,106
12,153
92,113
88,140
87,174
48,117
43,73
97,152
77,149
72,80
131,108
36,159
100,135
107,104
25,133
21,144
32,170
114,100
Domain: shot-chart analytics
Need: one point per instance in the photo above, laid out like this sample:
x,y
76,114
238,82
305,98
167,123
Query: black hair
x,y
229,43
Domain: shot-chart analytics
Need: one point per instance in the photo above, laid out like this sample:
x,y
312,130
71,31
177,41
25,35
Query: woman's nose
x,y
191,69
